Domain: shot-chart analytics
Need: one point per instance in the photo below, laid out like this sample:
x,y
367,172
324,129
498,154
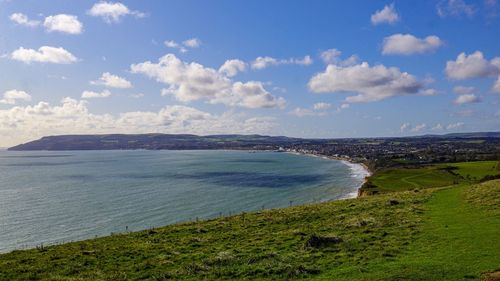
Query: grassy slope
x,y
270,244
431,176
459,239
447,234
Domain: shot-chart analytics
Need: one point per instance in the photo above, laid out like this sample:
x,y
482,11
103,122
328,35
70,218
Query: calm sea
x,y
54,197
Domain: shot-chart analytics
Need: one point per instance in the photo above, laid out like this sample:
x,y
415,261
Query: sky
x,y
313,69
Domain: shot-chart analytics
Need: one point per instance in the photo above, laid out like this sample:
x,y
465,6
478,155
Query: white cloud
x,y
467,98
193,81
455,8
137,96
404,127
429,92
438,127
44,54
112,81
472,66
407,44
112,12
387,15
370,83
174,45
264,62
454,126
462,90
23,19
330,56
231,68
95,95
20,124
63,23
12,96
302,112
344,106
496,86
171,44
186,44
321,106
318,109
192,43
419,128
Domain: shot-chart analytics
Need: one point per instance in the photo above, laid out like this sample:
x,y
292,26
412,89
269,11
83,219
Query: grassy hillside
x,y
446,233
439,175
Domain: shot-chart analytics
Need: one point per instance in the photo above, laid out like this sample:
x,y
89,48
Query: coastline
x,y
358,169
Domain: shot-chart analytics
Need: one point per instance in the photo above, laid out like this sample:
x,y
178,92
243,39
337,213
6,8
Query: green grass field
x,y
431,176
445,233
475,170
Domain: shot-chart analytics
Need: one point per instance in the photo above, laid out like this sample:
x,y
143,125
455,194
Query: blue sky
x,y
295,68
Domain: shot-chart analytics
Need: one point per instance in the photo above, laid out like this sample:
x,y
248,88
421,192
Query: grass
x,y
430,176
475,170
445,233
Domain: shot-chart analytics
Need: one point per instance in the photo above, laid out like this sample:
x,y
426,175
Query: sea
x,y
56,197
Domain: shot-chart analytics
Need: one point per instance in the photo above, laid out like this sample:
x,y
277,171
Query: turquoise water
x,y
54,197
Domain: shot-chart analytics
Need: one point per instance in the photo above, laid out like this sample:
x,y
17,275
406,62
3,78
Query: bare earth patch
x,y
491,276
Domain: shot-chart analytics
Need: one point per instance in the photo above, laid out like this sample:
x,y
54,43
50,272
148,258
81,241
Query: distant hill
x,y
151,141
187,141
467,135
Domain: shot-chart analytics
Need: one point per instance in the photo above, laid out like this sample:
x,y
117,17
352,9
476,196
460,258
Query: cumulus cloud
x,y
23,19
12,96
20,124
321,106
231,68
137,96
387,15
318,109
44,54
407,127
419,128
455,8
344,106
95,95
466,98
174,45
63,23
496,86
404,127
193,81
472,66
438,127
462,90
184,46
264,62
303,112
455,126
112,12
330,56
112,81
192,43
407,44
370,83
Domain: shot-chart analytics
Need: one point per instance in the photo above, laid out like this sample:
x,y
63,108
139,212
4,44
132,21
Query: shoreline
x,y
348,162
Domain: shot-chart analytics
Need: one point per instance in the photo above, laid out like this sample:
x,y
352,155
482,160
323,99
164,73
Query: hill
x,y
438,233
151,141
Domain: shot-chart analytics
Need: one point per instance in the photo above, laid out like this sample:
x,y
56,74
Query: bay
x,y
54,197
